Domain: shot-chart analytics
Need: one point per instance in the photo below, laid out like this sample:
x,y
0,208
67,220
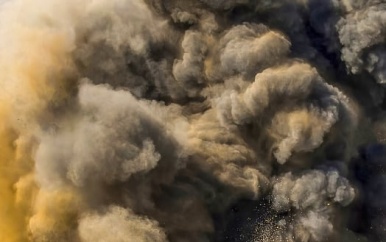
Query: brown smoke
x,y
192,120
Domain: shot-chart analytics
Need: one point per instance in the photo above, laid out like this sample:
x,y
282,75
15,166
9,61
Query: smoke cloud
x,y
192,120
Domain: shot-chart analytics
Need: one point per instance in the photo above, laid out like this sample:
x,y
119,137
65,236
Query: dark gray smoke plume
x,y
193,121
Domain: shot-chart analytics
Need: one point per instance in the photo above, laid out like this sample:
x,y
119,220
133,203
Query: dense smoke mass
x,y
192,121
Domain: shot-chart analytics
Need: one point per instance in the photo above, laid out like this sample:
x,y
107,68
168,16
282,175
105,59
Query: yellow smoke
x,y
36,78
12,220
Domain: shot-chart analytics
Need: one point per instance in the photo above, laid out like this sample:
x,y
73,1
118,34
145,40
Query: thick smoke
x,y
192,120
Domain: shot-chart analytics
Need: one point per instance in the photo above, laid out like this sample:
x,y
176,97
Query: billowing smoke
x,y
192,120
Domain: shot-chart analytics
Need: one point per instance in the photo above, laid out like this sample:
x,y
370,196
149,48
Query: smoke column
x,y
192,121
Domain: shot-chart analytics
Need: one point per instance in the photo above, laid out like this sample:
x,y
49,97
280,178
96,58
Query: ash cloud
x,y
192,120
